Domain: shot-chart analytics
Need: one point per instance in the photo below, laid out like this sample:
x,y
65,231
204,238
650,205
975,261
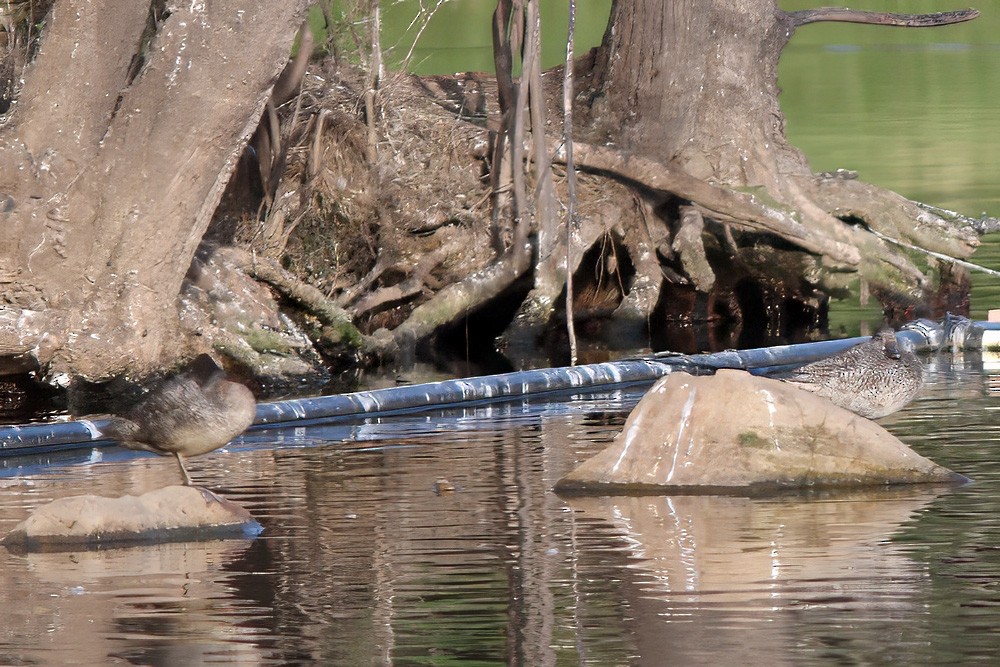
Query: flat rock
x,y
173,513
737,433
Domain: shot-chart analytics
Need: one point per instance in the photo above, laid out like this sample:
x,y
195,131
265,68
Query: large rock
x,y
173,513
737,433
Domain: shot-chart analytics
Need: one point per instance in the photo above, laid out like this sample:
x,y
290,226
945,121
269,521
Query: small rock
x,y
443,486
737,433
173,513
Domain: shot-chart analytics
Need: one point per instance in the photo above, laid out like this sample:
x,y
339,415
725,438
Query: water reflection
x,y
365,560
160,604
732,571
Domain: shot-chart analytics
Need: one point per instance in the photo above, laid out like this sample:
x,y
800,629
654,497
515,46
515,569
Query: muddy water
x,y
435,539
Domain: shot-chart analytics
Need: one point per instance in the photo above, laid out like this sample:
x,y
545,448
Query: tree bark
x,y
683,99
696,82
114,182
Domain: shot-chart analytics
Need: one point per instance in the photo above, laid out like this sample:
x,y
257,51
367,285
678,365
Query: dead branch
x,y
287,85
353,293
937,255
843,15
503,62
410,287
458,299
546,205
984,224
519,120
374,81
316,149
503,58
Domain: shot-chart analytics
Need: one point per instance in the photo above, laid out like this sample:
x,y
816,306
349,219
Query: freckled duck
x,y
873,379
192,413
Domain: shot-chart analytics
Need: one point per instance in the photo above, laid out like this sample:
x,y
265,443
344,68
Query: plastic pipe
x,y
83,433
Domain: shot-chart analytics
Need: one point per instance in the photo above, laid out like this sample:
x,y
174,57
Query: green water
x,y
458,39
912,110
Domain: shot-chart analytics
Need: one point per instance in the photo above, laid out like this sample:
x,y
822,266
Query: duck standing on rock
x,y
192,413
873,379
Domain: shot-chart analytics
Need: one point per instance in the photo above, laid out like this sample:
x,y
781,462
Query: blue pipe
x,y
83,433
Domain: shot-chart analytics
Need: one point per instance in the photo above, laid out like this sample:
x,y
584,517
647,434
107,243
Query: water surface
x,y
436,539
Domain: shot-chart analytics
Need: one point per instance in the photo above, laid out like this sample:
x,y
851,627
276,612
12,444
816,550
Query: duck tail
x,y
120,429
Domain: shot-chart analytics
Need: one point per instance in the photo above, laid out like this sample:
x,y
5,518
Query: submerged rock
x,y
173,513
737,433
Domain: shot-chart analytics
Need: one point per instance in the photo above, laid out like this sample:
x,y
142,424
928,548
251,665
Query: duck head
x,y
889,343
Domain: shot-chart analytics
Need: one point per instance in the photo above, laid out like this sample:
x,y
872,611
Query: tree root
x,y
837,218
458,299
337,327
742,209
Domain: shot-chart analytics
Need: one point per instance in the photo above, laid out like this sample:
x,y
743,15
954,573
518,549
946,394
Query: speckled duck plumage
x,y
873,379
189,414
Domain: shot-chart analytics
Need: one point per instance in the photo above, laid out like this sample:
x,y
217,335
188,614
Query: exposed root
x,y
406,243
827,206
742,209
459,299
338,328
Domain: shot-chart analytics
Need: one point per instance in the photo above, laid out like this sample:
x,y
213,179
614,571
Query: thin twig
x,y
936,255
428,15
570,180
518,121
375,76
546,213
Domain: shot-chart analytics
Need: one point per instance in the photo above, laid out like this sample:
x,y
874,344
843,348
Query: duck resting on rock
x,y
192,413
873,379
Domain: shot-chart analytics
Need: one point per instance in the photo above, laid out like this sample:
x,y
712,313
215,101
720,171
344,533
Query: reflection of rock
x,y
735,571
130,605
172,513
744,549
738,432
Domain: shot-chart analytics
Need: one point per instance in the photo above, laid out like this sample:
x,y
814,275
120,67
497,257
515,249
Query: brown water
x,y
370,557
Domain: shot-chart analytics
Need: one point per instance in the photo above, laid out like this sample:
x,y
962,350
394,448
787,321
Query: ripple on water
x,y
437,539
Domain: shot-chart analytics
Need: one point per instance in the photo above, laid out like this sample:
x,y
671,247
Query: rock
x,y
173,513
737,433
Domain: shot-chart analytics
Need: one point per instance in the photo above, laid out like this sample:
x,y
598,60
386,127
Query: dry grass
x,y
333,226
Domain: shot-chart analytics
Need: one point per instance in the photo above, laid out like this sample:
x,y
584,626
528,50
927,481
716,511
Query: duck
x,y
192,413
873,379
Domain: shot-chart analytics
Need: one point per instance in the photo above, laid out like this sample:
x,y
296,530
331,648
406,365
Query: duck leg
x,y
180,462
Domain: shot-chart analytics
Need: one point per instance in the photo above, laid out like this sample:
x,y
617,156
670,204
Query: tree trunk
x,y
683,99
112,181
697,83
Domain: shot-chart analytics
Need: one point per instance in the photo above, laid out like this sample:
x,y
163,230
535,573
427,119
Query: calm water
x,y
370,557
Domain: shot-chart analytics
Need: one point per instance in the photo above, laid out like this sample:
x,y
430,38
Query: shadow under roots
x,y
469,347
745,315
